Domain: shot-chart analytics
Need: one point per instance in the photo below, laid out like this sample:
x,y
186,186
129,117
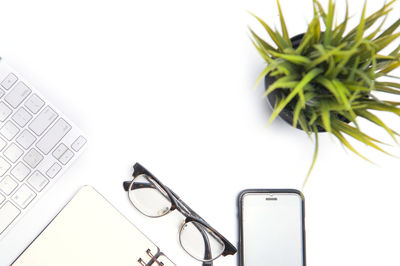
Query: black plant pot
x,y
285,114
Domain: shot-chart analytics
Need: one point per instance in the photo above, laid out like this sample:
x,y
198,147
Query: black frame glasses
x,y
177,204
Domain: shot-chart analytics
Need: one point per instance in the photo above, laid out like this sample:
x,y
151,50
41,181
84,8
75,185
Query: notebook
x,y
90,231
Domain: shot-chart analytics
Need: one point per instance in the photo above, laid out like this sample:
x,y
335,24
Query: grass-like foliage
x,y
331,78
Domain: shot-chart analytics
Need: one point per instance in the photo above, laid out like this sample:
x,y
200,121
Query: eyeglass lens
x,y
148,197
200,242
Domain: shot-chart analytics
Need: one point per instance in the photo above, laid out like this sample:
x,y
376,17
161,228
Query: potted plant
x,y
327,78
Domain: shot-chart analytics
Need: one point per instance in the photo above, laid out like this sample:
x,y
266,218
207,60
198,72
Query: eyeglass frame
x,y
182,207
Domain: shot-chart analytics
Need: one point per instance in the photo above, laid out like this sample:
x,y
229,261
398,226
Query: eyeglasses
x,y
153,199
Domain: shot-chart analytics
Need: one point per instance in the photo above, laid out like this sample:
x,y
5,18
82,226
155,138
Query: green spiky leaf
x,y
331,79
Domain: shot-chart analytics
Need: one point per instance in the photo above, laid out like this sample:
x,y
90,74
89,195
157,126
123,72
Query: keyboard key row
x,y
37,180
32,158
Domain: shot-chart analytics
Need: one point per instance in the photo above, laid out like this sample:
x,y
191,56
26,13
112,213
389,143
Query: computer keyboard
x,y
37,143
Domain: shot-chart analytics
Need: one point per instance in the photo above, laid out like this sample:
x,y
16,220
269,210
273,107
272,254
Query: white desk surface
x,y
168,84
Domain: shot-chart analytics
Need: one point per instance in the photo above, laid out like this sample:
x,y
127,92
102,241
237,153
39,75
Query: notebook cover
x,y
88,231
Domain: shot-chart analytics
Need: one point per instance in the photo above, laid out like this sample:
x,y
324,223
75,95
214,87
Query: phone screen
x,y
272,229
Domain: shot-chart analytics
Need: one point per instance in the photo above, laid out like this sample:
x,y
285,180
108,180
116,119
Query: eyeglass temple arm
x,y
207,251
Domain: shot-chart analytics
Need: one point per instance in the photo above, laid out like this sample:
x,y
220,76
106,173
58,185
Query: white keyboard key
x,y
66,157
4,166
5,112
18,94
9,130
38,181
22,117
53,170
23,196
7,185
9,81
36,144
59,151
20,171
3,143
26,139
53,136
43,120
8,213
13,152
33,158
78,143
34,103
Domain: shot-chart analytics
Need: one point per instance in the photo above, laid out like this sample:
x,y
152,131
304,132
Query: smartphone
x,y
271,227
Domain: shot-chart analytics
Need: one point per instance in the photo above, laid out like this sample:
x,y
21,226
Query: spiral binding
x,y
153,259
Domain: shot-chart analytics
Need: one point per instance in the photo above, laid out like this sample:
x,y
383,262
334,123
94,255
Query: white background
x,y
168,84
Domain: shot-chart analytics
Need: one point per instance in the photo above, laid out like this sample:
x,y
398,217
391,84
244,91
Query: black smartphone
x,y
271,227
